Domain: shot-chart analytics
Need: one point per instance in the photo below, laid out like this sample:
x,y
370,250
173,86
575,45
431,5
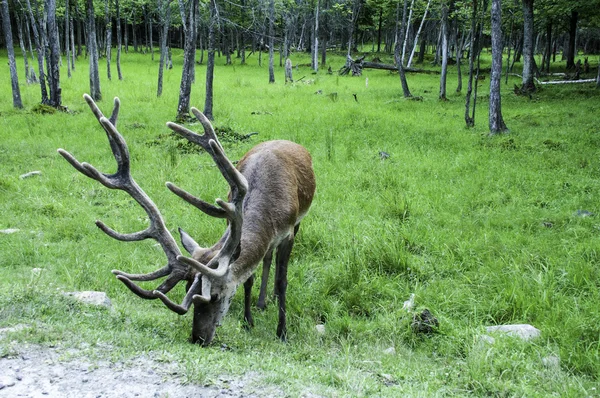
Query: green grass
x,y
483,230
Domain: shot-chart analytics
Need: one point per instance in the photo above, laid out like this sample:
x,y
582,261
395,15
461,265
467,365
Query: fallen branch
x,y
356,67
567,81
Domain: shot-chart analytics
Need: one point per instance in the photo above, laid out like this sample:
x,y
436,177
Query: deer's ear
x,y
188,242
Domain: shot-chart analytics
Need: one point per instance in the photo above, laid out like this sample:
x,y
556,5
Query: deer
x,y
271,190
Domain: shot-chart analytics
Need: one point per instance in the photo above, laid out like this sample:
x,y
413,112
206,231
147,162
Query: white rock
x,y
320,329
30,174
91,297
390,351
409,304
487,339
551,361
9,231
524,331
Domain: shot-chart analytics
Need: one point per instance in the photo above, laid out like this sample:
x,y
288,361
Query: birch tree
x,y
399,34
527,84
271,40
14,79
189,57
444,39
496,121
53,56
92,45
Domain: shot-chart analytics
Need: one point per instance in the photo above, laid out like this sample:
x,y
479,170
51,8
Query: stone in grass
x,y
524,331
425,322
30,174
320,328
9,231
92,298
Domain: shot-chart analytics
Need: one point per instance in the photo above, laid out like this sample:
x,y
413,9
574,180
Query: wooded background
x,y
51,32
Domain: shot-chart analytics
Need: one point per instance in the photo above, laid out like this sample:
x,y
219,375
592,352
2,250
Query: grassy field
x,y
483,230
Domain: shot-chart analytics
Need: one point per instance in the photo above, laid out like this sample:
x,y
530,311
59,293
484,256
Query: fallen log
x,y
568,81
356,67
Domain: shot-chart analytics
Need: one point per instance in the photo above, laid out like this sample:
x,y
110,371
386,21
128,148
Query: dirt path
x,y
36,371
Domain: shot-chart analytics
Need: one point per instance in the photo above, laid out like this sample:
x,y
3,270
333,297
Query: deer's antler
x,y
122,180
219,265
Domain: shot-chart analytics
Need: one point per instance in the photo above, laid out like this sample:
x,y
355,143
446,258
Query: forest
x,y
454,147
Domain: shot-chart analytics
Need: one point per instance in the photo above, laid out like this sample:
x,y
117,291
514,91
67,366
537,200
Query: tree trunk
x,y
470,120
92,45
459,55
405,43
399,34
67,46
356,4
165,18
496,121
417,36
54,55
315,46
189,58
14,79
527,84
118,16
22,45
210,62
572,35
444,54
380,22
40,53
548,46
108,23
271,40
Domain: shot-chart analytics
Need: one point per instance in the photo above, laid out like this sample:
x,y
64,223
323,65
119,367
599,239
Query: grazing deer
x,y
270,192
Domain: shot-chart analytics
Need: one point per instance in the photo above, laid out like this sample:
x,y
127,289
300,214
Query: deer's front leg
x,y
248,321
281,262
264,280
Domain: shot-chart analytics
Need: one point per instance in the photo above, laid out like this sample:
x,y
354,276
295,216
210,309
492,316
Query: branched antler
x,y
122,180
218,267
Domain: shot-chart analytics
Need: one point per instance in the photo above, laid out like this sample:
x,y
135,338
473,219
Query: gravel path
x,y
44,372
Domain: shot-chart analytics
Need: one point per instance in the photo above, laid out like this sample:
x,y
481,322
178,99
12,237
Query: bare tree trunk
x,y
417,35
315,47
356,4
210,62
571,42
399,34
72,35
14,79
108,23
118,16
242,34
92,45
54,56
67,46
412,3
165,18
40,53
470,120
22,45
189,58
271,40
444,40
527,84
496,121
459,55
548,46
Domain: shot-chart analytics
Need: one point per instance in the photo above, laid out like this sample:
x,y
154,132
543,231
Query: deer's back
x,y
281,185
